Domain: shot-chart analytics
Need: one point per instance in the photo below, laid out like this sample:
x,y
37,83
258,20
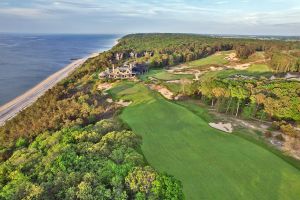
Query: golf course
x,y
211,164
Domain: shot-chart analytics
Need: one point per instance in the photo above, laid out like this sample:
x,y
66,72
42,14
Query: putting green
x,y
210,163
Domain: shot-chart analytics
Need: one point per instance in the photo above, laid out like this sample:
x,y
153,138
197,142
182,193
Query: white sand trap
x,y
174,81
121,102
222,126
109,100
239,67
162,90
124,103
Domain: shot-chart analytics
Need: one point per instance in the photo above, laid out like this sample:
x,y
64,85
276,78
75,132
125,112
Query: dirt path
x,y
12,108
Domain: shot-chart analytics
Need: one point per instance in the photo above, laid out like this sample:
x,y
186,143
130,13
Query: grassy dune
x,y
210,164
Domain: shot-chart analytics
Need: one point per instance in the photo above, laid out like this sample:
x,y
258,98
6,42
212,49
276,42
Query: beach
x,y
12,108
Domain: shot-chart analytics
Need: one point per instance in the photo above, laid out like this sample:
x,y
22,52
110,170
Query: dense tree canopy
x,y
97,162
253,98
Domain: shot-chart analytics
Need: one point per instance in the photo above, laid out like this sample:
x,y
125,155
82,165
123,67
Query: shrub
x,y
268,134
279,137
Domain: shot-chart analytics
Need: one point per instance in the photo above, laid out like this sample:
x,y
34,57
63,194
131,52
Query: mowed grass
x,y
210,163
163,75
215,59
259,68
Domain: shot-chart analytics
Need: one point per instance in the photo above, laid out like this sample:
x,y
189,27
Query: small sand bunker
x,y
226,127
197,75
178,97
212,68
121,102
174,81
162,90
124,103
109,100
104,86
176,68
231,57
240,67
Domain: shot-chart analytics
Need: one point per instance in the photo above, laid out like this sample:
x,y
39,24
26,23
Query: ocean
x,y
27,59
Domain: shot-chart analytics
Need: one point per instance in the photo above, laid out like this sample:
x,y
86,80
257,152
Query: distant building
x,y
124,72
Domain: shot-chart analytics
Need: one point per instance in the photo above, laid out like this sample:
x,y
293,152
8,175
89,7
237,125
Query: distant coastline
x,y
13,107
28,59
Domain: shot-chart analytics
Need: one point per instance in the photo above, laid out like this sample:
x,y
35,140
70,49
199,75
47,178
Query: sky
x,y
249,17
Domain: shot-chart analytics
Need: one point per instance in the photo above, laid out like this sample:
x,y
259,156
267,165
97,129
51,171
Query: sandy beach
x,y
12,108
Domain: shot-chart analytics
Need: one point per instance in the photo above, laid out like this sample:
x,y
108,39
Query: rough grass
x,y
210,164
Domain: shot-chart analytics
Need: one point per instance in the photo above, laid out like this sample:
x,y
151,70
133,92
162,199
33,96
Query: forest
x,y
99,161
253,99
171,49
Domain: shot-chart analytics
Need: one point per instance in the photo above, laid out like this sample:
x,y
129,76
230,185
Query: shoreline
x,y
16,105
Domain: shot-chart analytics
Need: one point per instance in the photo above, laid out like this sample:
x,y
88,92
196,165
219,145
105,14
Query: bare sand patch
x,y
226,127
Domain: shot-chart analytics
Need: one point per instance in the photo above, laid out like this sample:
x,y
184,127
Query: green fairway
x,y
166,76
216,59
210,164
259,68
163,75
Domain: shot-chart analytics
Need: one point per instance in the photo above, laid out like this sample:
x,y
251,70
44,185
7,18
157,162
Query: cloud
x,y
221,2
22,12
155,14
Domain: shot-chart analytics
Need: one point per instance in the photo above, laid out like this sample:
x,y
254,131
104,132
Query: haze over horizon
x,y
244,17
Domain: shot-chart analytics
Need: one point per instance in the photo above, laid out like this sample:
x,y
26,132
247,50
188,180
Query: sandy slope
x,y
10,109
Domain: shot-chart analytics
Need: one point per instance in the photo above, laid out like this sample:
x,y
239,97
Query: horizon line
x,y
189,33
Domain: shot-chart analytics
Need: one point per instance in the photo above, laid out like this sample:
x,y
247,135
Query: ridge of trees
x,y
172,49
253,98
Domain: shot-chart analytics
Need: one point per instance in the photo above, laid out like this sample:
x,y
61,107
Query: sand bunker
x,y
162,90
176,68
124,103
121,102
240,67
222,126
174,81
109,100
104,86
231,57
